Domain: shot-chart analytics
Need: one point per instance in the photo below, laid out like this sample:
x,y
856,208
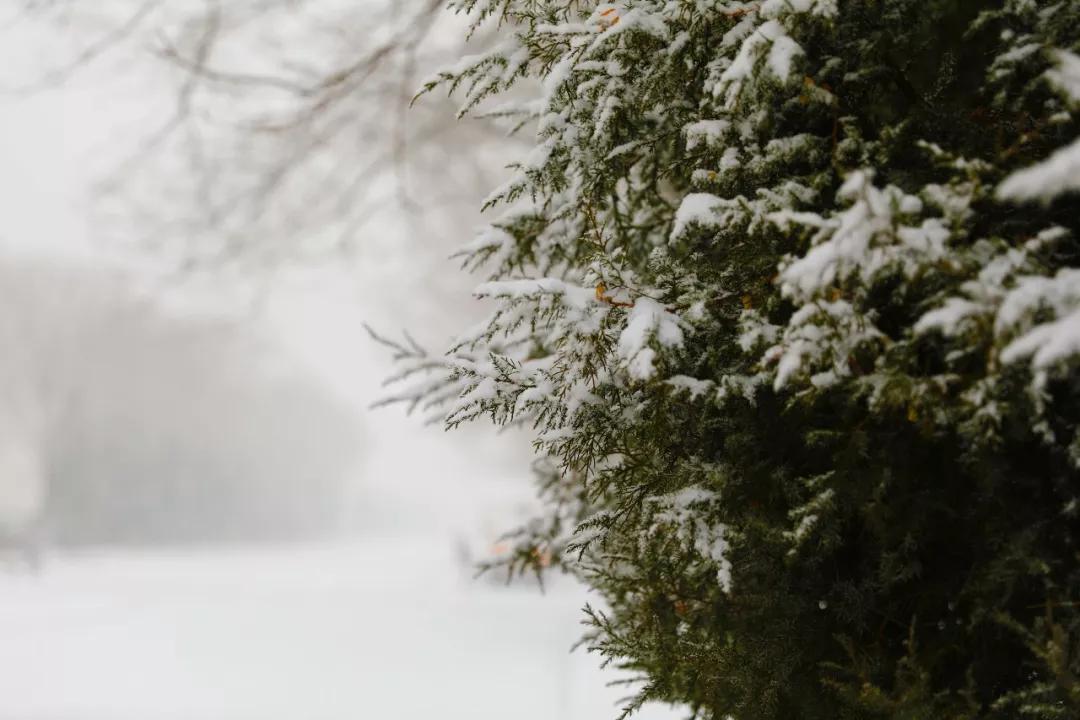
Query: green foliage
x,y
800,358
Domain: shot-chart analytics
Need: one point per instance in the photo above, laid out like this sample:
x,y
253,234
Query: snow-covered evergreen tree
x,y
790,292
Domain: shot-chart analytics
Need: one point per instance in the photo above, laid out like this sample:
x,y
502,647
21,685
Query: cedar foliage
x,y
790,293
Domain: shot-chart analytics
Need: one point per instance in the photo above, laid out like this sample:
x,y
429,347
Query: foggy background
x,y
201,204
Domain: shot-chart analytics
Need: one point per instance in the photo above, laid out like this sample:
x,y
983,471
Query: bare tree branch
x,y
93,51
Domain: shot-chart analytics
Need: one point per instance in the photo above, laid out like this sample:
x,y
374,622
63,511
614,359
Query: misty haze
x,y
200,515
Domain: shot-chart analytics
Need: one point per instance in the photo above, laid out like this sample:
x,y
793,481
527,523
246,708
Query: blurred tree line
x,y
147,425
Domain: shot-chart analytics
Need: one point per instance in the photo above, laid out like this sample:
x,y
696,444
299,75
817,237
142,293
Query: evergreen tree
x,y
790,292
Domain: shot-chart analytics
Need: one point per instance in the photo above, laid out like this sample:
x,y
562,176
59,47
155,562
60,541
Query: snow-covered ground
x,y
389,629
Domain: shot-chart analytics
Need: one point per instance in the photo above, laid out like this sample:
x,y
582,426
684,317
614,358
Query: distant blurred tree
x,y
285,133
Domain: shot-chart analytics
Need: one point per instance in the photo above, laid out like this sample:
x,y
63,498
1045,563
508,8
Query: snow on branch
x,y
1059,173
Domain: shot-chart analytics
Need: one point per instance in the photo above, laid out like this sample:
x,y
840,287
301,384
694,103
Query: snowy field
x,y
389,630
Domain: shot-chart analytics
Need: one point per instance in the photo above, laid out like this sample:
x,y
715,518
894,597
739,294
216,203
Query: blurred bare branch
x,y
287,131
100,46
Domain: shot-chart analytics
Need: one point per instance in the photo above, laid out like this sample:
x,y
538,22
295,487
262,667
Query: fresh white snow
x,y
1044,181
648,320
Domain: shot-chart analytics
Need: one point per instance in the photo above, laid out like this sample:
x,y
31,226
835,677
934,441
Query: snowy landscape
x,y
184,427
738,339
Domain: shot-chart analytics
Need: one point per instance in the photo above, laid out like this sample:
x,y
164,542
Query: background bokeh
x,y
200,518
